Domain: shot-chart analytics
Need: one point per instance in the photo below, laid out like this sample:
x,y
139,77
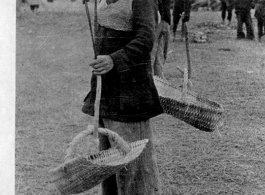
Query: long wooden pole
x,y
99,82
184,24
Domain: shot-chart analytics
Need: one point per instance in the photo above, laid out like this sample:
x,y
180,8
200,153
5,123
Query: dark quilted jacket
x,y
128,90
229,3
243,6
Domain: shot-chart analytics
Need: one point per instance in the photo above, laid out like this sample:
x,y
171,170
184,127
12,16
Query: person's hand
x,y
102,64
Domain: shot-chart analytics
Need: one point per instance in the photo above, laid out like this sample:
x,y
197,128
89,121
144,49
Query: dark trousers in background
x,y
242,18
229,11
176,17
261,27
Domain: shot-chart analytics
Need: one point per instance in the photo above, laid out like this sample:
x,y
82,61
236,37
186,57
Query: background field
x,y
52,78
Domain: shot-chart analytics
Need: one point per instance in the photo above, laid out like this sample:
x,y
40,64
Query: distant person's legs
x,y
176,17
263,26
223,13
260,29
240,33
249,27
34,8
229,17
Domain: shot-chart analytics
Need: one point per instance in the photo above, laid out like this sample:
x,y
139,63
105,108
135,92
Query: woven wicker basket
x,y
193,109
80,174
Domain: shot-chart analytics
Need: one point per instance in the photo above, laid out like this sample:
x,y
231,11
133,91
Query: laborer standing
x,y
242,10
227,6
260,15
162,36
124,39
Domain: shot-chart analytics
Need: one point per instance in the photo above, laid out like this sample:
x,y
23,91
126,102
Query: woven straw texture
x,y
83,173
202,113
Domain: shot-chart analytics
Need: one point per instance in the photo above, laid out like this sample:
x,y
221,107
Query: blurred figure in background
x,y
181,6
34,5
260,15
162,35
227,6
242,10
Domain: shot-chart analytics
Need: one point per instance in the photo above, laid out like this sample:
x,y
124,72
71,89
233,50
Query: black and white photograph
x,y
136,97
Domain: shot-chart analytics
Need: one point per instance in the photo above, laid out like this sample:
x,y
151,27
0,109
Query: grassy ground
x,y
53,50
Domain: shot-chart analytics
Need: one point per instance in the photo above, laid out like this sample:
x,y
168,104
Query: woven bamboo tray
x,y
194,109
82,173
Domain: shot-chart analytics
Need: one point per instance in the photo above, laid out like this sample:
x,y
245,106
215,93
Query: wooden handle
x,y
96,107
187,49
185,85
118,141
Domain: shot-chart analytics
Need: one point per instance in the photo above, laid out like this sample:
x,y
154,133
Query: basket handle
x,y
114,137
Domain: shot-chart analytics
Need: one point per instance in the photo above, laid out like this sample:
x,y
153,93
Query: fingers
x,y
96,62
99,72
101,65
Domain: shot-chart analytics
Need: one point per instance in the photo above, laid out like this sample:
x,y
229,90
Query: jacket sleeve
x,y
138,50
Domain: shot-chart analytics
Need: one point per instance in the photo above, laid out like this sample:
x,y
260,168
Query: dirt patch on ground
x,y
53,51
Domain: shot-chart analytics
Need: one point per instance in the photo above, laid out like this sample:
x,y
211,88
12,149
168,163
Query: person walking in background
x,y
227,6
124,39
260,15
242,10
181,6
162,36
